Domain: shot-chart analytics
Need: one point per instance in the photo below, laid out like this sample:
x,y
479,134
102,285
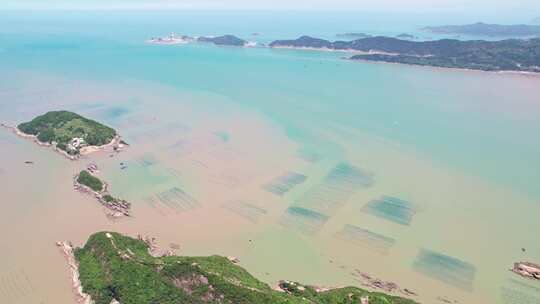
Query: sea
x,y
304,165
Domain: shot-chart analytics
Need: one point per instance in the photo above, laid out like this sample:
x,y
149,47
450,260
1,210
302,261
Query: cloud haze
x,y
275,4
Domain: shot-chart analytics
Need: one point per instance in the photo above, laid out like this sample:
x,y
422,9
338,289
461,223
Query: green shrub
x,y
63,126
90,181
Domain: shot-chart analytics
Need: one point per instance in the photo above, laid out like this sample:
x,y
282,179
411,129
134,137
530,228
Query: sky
x,y
405,5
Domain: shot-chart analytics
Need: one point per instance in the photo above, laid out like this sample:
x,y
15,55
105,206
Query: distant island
x,y
487,30
87,182
505,55
229,40
406,36
69,133
113,268
536,20
353,35
225,40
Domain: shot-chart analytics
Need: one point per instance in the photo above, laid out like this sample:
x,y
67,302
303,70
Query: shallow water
x,y
273,156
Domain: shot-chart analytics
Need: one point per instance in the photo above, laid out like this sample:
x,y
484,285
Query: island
x,y
353,35
224,40
504,55
69,133
87,182
113,268
406,36
227,40
486,30
536,20
171,39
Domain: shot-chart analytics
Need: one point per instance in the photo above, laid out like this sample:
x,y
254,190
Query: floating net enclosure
x,y
246,210
284,183
174,198
445,268
392,209
365,238
303,220
336,188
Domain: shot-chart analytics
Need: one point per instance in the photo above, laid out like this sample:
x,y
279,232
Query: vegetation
x,y
61,127
229,40
503,55
87,179
108,198
113,266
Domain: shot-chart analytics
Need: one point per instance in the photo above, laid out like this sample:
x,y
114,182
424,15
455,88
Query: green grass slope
x,y
113,266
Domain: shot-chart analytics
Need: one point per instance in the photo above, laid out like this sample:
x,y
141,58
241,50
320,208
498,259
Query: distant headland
x,y
487,30
69,133
505,55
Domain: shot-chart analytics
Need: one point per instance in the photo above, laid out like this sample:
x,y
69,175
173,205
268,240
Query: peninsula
x,y
504,55
69,133
112,268
487,30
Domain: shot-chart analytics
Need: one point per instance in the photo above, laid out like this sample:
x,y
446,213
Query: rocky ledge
x,y
527,270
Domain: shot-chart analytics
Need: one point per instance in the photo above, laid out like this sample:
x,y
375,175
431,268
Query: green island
x,y
68,131
113,267
87,179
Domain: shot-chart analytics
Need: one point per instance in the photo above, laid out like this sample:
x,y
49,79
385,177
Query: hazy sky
x,y
417,5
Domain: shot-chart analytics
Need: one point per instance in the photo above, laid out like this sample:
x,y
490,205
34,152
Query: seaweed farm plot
x,y
365,238
146,160
517,291
303,220
284,183
246,210
174,198
336,188
15,286
392,209
445,268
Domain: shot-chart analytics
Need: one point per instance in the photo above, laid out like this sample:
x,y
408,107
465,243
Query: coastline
x,y
440,68
349,51
116,209
67,252
292,288
116,143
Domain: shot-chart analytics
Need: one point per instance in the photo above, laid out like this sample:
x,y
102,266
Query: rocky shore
x,y
527,270
115,208
67,251
367,280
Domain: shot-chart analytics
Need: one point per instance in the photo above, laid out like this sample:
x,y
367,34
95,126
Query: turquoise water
x,y
326,135
455,125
